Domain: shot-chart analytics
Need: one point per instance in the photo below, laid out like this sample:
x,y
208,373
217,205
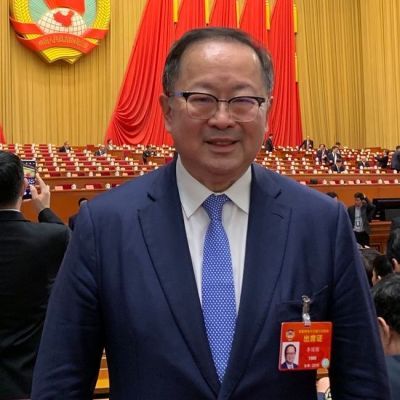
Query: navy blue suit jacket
x,y
127,283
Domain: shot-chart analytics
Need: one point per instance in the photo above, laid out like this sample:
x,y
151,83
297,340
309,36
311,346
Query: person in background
x,y
393,248
269,144
395,163
334,155
65,148
360,215
386,295
101,151
30,256
383,159
147,153
333,195
322,154
109,145
363,162
169,273
368,256
338,167
307,144
381,267
72,219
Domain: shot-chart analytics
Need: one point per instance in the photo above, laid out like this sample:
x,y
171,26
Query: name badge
x,y
305,345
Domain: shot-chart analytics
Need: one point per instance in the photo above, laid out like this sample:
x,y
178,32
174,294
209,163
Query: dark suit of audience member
x,y
30,255
338,167
334,155
395,164
322,154
269,146
307,144
362,164
146,155
360,216
101,151
383,160
65,148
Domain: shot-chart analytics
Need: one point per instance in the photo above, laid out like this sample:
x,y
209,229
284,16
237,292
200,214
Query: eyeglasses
x,y
204,105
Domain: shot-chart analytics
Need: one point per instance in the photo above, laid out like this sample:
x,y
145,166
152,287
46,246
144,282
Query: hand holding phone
x,y
29,167
40,200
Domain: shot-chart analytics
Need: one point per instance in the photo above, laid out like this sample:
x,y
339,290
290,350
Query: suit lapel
x,y
266,241
164,233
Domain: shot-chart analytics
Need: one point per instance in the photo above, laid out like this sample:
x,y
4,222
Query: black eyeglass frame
x,y
186,95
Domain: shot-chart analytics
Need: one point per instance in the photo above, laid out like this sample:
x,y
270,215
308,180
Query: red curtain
x,y
137,117
285,119
191,15
224,14
253,21
2,137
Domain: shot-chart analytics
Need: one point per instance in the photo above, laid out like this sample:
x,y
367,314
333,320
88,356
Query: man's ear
x,y
384,330
24,185
167,111
396,265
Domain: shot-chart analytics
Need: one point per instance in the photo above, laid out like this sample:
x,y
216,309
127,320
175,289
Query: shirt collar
x,y
193,193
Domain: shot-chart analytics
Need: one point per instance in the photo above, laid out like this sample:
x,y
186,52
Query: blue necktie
x,y
218,292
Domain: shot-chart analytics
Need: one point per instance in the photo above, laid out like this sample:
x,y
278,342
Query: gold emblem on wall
x,y
60,29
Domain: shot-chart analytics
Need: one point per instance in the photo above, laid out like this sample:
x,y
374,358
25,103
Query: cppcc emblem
x,y
60,29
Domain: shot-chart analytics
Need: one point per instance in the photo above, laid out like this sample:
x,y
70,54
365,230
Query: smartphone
x,y
30,174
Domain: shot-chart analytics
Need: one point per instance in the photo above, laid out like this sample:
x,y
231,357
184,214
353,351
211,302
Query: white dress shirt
x,y
235,215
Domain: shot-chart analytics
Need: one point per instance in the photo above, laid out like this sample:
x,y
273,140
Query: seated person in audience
x,y
65,148
110,145
147,154
269,145
368,256
381,267
395,163
383,159
338,167
101,151
360,215
322,154
362,162
30,256
393,249
307,144
71,220
333,195
339,146
386,295
334,155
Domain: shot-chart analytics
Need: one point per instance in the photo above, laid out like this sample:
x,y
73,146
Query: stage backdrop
x,y
348,71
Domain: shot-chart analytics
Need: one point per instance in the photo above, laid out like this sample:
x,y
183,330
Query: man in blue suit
x,y
132,280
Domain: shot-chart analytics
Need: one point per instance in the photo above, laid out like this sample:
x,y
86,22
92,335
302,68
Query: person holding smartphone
x,y
30,256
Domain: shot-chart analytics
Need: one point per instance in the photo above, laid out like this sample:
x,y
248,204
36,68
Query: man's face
x,y
290,354
357,202
217,151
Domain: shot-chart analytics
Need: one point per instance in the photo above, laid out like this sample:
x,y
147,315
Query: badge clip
x,y
306,310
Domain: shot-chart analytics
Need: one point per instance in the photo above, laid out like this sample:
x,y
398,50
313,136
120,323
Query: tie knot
x,y
213,205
